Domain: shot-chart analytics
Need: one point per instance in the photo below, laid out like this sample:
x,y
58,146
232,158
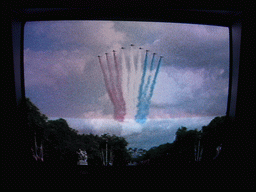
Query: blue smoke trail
x,y
144,100
150,76
152,62
141,90
143,76
154,80
148,83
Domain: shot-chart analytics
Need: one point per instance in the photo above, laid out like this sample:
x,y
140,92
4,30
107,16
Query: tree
x,y
62,142
117,151
37,123
182,150
91,144
212,137
185,144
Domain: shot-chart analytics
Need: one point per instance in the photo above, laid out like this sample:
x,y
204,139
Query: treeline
x,y
188,146
60,143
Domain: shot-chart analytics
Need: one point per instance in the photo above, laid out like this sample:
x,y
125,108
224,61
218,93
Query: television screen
x,y
140,84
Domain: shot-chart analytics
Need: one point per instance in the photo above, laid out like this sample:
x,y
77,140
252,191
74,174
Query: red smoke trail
x,y
119,111
106,79
119,83
110,74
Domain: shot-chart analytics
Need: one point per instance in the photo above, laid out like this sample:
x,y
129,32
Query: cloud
x,y
49,67
160,131
63,77
181,44
95,35
103,125
63,80
97,115
186,45
176,84
153,133
184,92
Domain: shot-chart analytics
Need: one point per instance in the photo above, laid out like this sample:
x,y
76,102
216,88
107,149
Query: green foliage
x,y
62,142
185,143
36,120
212,136
183,148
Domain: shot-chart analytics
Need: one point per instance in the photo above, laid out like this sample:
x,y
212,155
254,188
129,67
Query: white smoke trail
x,y
139,71
133,83
132,68
124,74
125,82
130,86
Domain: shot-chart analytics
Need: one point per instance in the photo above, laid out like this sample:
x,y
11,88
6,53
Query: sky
x,y
63,77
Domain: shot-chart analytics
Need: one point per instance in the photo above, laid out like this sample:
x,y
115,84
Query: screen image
x,y
142,83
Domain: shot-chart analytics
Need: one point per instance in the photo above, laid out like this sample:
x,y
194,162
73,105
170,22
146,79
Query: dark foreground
x,y
193,175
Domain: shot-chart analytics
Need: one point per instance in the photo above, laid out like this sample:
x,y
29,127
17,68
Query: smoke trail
x,y
113,89
151,72
143,76
139,73
118,81
130,86
131,72
119,106
154,80
106,79
127,83
147,93
142,91
109,74
139,66
133,82
124,80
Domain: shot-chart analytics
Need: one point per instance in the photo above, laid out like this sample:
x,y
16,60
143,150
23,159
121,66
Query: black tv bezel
x,y
238,151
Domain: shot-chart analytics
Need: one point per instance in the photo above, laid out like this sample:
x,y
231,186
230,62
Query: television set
x,y
138,80
220,19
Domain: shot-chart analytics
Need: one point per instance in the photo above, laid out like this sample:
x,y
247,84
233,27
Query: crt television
x,y
228,18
